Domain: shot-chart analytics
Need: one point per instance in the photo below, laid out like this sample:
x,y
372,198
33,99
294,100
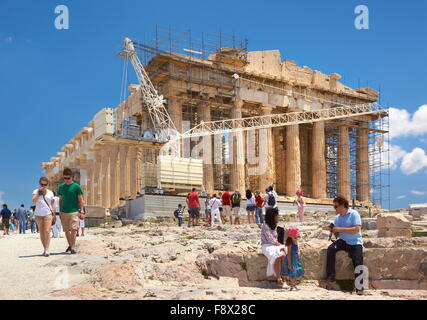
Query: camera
x,y
336,234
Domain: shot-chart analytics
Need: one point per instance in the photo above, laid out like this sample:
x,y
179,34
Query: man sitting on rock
x,y
348,224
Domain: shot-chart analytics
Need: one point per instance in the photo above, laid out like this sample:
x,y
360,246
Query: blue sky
x,y
53,81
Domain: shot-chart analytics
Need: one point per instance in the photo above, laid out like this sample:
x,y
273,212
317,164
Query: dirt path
x,y
24,271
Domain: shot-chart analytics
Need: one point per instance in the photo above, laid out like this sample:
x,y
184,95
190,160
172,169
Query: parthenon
x,y
115,155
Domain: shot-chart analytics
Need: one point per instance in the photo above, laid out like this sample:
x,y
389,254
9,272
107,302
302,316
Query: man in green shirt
x,y
71,204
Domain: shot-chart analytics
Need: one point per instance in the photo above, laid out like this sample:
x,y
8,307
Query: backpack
x,y
235,198
175,213
271,200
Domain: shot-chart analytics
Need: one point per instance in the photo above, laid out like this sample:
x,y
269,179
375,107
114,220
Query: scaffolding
x,y
189,63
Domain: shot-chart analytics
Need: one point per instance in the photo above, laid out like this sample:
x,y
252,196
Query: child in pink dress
x,y
299,201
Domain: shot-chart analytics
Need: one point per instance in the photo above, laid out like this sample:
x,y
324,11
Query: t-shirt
x,y
178,213
251,201
21,213
259,201
225,199
193,200
351,219
70,197
214,204
266,199
237,204
5,213
41,207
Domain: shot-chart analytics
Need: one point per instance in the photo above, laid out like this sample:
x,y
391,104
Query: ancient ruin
x,y
215,78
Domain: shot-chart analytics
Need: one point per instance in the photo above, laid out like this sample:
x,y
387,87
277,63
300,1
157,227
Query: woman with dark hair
x,y
45,212
250,206
271,248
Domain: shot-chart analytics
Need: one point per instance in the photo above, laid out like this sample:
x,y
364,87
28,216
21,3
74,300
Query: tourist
x,y
226,205
45,208
259,218
15,221
207,211
178,214
5,219
250,206
21,215
348,224
271,248
71,207
292,266
57,227
214,205
270,198
193,207
32,218
81,225
299,201
236,197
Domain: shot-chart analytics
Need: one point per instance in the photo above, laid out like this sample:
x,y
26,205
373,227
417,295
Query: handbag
x,y
53,215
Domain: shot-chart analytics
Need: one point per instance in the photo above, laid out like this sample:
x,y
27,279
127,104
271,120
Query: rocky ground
x,y
157,261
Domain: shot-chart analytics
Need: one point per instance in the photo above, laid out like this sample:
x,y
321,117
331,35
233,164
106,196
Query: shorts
x,y
236,212
70,221
226,210
6,223
194,213
207,211
250,207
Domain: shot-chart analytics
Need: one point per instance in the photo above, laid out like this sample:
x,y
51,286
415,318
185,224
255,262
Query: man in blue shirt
x,y
348,224
5,218
21,214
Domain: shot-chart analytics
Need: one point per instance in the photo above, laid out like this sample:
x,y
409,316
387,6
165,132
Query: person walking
x,y
207,211
71,208
270,199
45,208
6,214
236,197
250,206
299,201
194,207
57,227
214,205
259,218
32,218
21,215
226,205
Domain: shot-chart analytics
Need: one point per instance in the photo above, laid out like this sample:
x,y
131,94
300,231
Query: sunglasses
x,y
336,207
67,178
43,184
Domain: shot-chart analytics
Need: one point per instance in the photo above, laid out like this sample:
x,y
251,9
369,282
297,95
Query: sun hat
x,y
293,232
299,192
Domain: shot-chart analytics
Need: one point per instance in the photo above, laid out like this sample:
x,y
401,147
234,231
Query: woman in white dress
x,y
271,248
45,212
214,205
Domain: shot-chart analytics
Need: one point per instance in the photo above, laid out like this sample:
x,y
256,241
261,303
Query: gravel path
x,y
24,271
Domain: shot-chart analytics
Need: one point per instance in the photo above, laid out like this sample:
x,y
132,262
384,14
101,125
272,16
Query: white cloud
x,y
396,154
400,197
403,124
414,161
419,193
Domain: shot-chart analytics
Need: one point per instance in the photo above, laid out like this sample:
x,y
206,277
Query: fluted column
x,y
133,151
238,176
114,182
266,153
123,151
97,178
318,161
293,160
105,174
90,178
362,171
343,170
204,112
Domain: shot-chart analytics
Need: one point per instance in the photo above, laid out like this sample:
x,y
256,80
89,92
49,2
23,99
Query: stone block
x,y
395,221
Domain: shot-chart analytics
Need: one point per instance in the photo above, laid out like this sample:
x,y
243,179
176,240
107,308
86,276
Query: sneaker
x,y
72,251
46,254
68,249
359,292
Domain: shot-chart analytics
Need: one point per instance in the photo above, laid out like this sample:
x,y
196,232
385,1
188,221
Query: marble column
x,y
362,170
293,160
97,182
204,112
343,170
266,154
238,154
124,165
318,161
105,176
114,182
133,176
90,179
